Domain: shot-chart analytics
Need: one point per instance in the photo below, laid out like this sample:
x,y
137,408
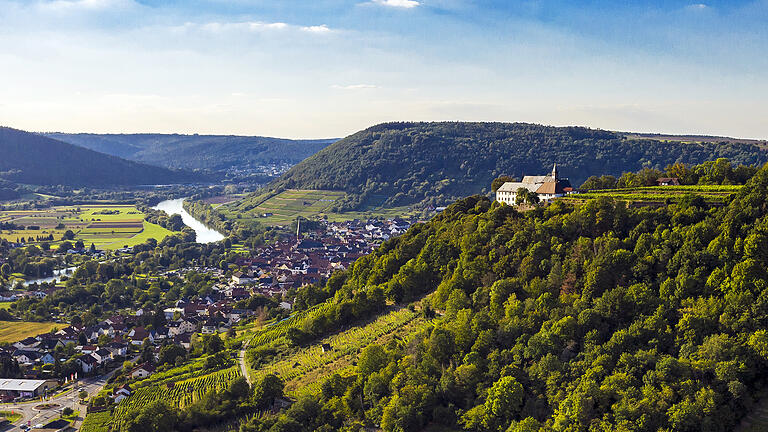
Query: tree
x,y
68,235
158,416
372,359
266,390
504,400
212,344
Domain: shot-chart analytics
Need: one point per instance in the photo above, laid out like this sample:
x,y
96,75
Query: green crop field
x,y
13,331
106,226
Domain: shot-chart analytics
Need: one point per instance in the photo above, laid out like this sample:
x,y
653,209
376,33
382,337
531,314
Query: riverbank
x,y
203,233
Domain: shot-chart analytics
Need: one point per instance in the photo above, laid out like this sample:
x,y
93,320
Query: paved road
x,y
243,368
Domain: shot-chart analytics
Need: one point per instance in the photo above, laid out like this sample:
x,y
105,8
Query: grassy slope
x,y
12,331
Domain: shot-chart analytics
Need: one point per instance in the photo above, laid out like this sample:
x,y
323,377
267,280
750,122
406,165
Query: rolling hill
x,y
436,163
35,159
198,152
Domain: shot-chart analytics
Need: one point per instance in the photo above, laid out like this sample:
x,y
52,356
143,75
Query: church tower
x,y
554,172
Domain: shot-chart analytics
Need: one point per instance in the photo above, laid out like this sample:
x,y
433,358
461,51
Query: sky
x,y
328,68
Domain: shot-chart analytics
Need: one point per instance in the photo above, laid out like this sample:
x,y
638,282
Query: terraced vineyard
x,y
659,194
271,333
284,207
304,370
181,394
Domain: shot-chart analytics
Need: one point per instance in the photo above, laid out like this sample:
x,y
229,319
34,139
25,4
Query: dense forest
x,y
568,318
437,163
34,159
198,152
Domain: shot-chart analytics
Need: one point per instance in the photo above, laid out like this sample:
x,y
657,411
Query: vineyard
x,y
659,194
181,394
304,369
275,331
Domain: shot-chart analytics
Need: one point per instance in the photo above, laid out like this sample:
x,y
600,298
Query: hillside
x,y
581,317
436,163
198,152
34,159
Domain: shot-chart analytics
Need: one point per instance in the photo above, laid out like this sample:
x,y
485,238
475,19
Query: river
x,y
57,274
204,234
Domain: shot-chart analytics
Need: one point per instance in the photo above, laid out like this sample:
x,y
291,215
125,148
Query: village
x,y
49,360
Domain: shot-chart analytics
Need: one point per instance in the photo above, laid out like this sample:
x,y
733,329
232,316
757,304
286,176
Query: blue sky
x,y
314,68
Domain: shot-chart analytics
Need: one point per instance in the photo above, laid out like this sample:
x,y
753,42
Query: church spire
x,y
554,172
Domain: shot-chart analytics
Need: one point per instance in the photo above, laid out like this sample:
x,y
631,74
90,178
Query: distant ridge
x,y
436,163
30,158
197,152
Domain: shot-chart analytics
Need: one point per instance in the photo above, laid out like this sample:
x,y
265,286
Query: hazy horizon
x,y
301,69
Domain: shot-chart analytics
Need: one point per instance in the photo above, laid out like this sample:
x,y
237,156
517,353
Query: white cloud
x,y
317,29
252,26
405,4
697,7
354,86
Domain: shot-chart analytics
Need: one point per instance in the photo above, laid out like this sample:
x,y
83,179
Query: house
x,y
170,312
142,371
87,349
117,349
101,355
26,357
547,188
121,393
138,334
50,344
241,278
47,358
184,339
213,324
668,181
87,363
27,344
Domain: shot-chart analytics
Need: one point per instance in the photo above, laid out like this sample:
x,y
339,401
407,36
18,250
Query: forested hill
x,y
198,152
585,318
404,163
34,159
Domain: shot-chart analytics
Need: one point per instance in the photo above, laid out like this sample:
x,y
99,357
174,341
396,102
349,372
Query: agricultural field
x,y
659,195
12,331
106,226
283,208
179,393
